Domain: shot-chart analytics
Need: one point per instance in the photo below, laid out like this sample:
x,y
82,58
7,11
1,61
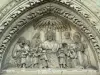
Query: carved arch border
x,y
75,5
41,12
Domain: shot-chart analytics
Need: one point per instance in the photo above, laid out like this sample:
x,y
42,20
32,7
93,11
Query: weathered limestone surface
x,y
83,16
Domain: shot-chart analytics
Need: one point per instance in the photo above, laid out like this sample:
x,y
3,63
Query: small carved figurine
x,y
44,59
35,58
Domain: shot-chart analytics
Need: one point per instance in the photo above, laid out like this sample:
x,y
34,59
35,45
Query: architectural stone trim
x,y
41,12
78,6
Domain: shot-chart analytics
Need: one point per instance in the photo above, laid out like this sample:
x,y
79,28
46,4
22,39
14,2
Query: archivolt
x,y
28,12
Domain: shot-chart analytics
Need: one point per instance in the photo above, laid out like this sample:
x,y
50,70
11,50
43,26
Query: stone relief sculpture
x,y
44,59
51,54
35,58
42,49
71,55
80,49
36,41
51,47
62,53
21,51
18,48
48,35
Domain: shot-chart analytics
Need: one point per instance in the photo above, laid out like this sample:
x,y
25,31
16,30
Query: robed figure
x,y
83,60
51,47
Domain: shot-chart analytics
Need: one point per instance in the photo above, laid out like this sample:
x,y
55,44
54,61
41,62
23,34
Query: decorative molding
x,y
74,5
8,7
54,10
41,12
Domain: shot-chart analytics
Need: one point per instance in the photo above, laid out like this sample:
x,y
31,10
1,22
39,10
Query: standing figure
x,y
28,52
35,58
62,56
51,47
73,56
86,58
68,40
24,54
80,48
17,53
23,59
44,59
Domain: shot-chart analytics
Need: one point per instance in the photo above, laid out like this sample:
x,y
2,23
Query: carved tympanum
x,y
50,47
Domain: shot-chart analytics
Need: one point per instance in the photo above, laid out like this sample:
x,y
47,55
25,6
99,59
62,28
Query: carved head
x,y
50,36
67,35
64,45
21,41
77,37
27,42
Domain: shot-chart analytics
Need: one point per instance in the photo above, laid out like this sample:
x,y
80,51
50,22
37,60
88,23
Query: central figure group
x,y
51,54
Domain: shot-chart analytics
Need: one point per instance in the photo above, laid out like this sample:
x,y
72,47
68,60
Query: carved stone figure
x,y
36,54
36,41
23,58
86,57
69,42
27,50
35,58
17,53
24,50
67,39
51,47
62,55
80,48
44,59
72,56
